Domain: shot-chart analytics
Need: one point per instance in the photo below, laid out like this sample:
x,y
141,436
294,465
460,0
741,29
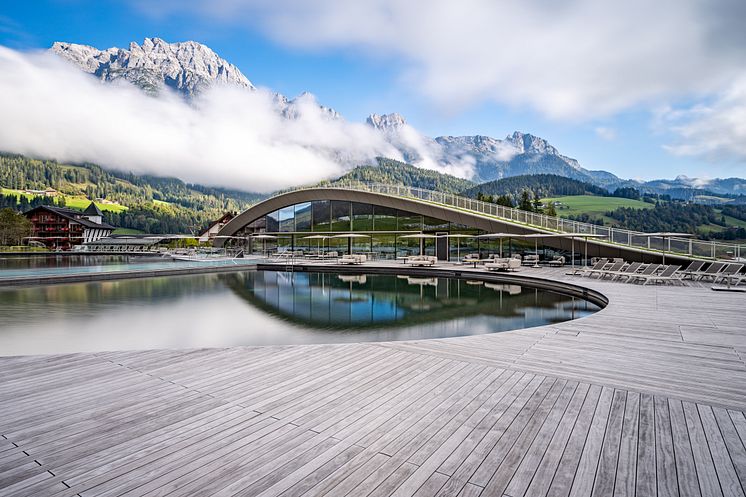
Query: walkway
x,y
646,397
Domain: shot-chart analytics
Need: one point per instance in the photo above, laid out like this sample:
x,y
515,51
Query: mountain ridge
x,y
190,67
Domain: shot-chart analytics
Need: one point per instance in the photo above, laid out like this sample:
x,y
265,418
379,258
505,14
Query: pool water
x,y
266,308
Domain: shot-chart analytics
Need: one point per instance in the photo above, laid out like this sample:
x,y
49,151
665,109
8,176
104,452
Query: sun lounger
x,y
668,274
615,267
598,266
711,272
650,270
694,267
625,272
730,271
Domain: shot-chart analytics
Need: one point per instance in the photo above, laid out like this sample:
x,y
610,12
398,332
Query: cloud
x,y
715,131
576,60
605,133
228,137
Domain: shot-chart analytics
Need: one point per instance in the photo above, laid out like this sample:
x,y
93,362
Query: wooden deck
x,y
644,398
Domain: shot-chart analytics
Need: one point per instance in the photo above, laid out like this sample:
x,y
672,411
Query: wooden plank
x,y
706,473
606,473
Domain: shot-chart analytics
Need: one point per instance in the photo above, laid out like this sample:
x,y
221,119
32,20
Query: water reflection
x,y
266,307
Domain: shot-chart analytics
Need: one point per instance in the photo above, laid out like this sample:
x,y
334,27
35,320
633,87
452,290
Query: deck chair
x,y
649,270
694,267
617,266
730,272
596,267
710,272
624,272
668,274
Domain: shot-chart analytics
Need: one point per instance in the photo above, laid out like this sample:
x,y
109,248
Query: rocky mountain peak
x,y
526,143
187,67
386,122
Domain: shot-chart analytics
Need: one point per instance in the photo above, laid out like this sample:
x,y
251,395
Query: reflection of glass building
x,y
292,225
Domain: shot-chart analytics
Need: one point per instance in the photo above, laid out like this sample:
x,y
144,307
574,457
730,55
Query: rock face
x,y
517,154
187,67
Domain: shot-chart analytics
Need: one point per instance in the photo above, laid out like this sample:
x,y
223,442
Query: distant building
x,y
215,226
129,244
48,192
60,228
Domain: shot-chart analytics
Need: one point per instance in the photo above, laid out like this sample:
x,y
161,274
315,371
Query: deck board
x,y
646,397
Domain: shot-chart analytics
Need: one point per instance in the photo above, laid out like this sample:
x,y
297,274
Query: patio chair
x,y
730,271
615,267
711,272
625,272
504,264
598,266
649,270
694,267
668,274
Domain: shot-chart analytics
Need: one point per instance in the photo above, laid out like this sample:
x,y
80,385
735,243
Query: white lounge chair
x,y
505,264
649,270
668,274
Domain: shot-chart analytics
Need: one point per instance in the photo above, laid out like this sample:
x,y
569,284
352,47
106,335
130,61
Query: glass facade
x,y
289,228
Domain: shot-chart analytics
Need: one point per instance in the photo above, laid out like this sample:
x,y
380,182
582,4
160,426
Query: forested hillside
x,y
393,172
147,203
542,185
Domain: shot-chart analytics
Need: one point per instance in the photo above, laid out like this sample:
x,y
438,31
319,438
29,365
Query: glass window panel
x,y
321,211
432,224
407,246
384,218
273,222
409,221
384,246
340,215
303,217
287,219
362,216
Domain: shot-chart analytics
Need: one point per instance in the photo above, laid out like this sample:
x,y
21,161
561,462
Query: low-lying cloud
x,y
227,137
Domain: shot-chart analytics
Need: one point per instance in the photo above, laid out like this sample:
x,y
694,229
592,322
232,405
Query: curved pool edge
x,y
594,296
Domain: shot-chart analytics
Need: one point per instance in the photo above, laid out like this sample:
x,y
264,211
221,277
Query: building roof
x,y
222,219
92,210
72,215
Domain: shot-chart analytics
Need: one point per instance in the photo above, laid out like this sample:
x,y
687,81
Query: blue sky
x,y
358,76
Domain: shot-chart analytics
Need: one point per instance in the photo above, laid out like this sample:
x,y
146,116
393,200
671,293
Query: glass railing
x,y
607,235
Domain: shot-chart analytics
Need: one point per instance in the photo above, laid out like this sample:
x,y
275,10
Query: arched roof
x,y
473,219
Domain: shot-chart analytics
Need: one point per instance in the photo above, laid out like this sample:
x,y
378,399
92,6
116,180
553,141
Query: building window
x,y
321,215
303,217
340,215
362,217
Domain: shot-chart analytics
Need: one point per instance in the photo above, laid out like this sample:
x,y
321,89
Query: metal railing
x,y
550,224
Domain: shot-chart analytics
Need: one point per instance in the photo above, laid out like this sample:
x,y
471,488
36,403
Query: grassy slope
x,y
594,206
597,206
74,202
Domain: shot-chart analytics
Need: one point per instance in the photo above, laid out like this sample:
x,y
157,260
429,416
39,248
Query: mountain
x,y
490,158
543,185
724,186
390,171
148,203
187,67
190,67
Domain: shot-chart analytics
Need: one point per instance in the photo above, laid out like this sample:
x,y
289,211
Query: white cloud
x,y
577,59
605,133
715,131
229,137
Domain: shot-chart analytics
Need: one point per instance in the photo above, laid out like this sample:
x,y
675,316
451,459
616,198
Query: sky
x,y
642,90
